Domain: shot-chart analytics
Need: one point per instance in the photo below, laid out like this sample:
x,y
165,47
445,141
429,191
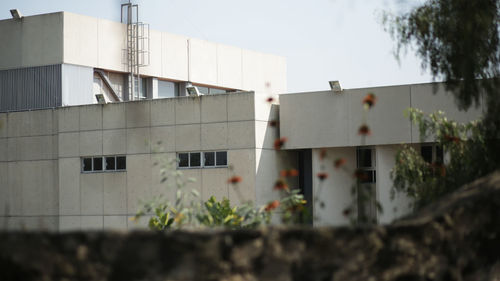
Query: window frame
x,y
202,160
103,163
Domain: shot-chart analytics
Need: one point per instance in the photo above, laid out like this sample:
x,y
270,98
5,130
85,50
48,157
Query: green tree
x,y
458,40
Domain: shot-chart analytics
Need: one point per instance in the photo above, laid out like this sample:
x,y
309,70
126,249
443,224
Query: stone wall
x,y
456,239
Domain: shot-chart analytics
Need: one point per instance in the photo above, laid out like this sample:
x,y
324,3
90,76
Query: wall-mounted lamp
x,y
100,99
16,14
192,90
335,86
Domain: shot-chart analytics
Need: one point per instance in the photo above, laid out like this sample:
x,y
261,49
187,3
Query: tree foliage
x,y
458,41
466,158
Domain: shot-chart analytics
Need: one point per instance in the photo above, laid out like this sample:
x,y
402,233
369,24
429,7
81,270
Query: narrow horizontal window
x,y
103,164
206,159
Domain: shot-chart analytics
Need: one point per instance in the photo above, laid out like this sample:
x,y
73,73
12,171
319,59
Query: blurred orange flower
x,y
234,180
272,205
364,130
339,162
322,176
369,100
274,123
289,173
278,143
280,185
322,154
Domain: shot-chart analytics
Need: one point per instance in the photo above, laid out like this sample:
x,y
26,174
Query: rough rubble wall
x,y
457,239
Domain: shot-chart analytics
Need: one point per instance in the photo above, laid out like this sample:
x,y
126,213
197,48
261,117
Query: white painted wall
x,y
327,119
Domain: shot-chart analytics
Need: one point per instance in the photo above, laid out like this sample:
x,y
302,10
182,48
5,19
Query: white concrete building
x,y
68,163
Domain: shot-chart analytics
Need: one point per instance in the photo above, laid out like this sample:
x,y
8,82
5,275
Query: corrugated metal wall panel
x,y
30,88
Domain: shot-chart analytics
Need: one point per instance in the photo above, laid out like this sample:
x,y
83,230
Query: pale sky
x,y
322,40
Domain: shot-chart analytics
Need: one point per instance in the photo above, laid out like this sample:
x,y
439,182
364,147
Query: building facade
x,y
69,163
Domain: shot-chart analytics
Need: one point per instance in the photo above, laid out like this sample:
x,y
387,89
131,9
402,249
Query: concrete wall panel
x,y
114,116
3,149
91,193
229,62
69,223
392,208
114,142
174,56
253,71
187,110
69,144
138,140
19,124
155,47
187,138
202,61
335,191
4,190
386,119
265,135
68,119
42,122
3,125
163,112
241,134
80,40
15,185
243,163
214,108
138,181
163,139
162,183
10,49
42,40
214,136
214,183
92,222
91,143
138,114
115,193
111,44
90,117
69,186
115,223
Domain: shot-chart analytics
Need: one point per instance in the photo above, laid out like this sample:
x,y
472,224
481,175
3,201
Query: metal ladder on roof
x,y
138,51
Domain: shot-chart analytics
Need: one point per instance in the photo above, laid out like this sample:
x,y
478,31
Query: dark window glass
x,y
98,164
364,158
87,164
439,154
367,176
209,159
110,163
426,152
195,159
121,163
222,158
183,160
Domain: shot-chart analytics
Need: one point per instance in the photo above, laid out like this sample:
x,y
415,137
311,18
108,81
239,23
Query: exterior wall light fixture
x,y
335,86
16,14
